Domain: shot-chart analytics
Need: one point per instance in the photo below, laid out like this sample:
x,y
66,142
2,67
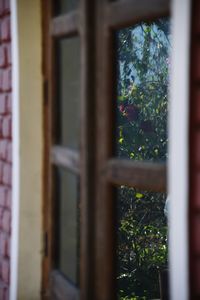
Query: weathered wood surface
x,y
66,157
142,175
62,289
126,13
65,25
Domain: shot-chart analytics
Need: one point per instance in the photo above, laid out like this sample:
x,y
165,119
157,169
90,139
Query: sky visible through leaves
x,y
141,134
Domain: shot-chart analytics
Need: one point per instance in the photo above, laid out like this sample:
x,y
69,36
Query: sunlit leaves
x,y
143,75
142,239
139,195
142,107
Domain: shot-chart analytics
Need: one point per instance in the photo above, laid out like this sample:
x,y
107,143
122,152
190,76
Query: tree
x,y
143,77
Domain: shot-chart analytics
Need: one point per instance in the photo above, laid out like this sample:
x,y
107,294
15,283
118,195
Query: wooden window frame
x,y
75,23
94,22
111,17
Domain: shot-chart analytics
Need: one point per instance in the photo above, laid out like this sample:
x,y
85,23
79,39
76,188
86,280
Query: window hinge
x,y
45,90
45,244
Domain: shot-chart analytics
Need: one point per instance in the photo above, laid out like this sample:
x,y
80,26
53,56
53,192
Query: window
x,y
141,135
86,168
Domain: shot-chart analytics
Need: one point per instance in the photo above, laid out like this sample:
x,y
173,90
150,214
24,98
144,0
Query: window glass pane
x,y
68,92
65,6
142,90
142,251
67,221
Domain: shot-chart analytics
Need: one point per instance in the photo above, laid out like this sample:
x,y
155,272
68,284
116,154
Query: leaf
x,y
121,140
139,195
121,98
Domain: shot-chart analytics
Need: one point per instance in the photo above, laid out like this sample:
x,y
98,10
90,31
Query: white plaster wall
x,y
178,150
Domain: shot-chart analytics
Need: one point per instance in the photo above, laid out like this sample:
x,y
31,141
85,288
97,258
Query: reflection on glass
x,y
67,223
142,87
65,6
142,243
68,91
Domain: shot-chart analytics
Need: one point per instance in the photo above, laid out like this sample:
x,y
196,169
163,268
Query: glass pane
x,y
67,222
68,92
65,6
142,90
142,251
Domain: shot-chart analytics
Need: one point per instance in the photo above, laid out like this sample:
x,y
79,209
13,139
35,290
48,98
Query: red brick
x,y
195,234
3,245
6,221
5,146
2,292
197,104
1,13
9,152
7,174
8,247
7,80
1,216
3,103
3,56
5,29
9,198
9,103
1,125
1,80
3,196
6,178
3,149
196,61
196,278
0,271
196,16
5,271
7,127
196,149
8,54
6,6
1,171
6,294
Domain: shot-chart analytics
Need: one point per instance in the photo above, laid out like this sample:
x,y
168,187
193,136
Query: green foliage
x,y
142,242
142,91
143,67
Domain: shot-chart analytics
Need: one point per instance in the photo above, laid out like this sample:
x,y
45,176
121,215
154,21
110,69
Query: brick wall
x,y
194,203
5,147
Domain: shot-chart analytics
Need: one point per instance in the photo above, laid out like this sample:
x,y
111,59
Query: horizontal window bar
x,y
67,158
65,25
61,288
143,175
126,13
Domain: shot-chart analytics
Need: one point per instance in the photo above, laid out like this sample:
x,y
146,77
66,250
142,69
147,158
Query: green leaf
x,y
139,195
121,98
